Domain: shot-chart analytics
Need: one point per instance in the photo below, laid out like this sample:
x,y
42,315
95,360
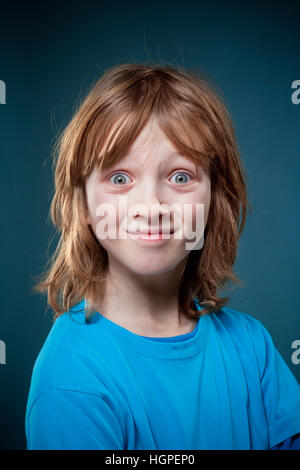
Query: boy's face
x,y
152,175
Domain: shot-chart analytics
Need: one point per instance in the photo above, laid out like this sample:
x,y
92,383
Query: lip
x,y
148,238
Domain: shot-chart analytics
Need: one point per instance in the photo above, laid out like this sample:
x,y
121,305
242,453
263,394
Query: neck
x,y
142,302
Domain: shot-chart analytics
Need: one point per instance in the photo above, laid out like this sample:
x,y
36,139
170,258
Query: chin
x,y
148,270
145,264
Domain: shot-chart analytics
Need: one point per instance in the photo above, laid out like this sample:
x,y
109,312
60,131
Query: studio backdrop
x,y
51,53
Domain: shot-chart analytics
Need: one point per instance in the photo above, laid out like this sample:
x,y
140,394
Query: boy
x,y
143,353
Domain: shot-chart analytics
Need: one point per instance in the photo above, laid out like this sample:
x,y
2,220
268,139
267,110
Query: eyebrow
x,y
173,156
178,156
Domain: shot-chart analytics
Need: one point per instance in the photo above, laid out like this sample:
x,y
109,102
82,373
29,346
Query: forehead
x,y
153,147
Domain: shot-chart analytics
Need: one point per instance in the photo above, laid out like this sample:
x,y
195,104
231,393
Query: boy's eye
x,y
118,178
182,178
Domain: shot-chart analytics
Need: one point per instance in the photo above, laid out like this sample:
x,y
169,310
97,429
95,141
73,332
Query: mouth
x,y
152,232
149,236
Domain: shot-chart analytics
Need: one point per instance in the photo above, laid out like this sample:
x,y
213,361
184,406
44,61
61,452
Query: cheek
x,y
102,218
194,208
203,196
101,206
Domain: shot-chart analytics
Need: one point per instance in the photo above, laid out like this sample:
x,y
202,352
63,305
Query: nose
x,y
149,208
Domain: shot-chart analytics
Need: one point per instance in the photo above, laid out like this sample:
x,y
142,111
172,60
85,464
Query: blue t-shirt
x,y
97,385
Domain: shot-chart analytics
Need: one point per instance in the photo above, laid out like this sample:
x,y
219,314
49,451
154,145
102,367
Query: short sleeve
x,y
292,443
72,420
281,394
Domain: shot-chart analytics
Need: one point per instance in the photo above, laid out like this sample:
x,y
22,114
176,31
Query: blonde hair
x,y
195,119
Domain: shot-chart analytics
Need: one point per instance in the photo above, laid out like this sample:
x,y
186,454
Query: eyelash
x,y
178,172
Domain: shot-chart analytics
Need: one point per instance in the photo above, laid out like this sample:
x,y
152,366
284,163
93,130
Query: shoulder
x,y
73,370
236,321
68,359
249,335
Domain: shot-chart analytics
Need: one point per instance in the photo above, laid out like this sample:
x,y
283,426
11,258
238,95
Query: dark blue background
x,y
51,53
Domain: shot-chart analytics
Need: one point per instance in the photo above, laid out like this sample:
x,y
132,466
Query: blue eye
x,y
117,177
179,180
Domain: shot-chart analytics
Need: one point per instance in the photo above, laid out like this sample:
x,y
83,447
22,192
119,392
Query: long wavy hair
x,y
193,115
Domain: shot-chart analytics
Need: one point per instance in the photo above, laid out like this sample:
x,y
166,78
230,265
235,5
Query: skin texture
x,y
141,290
